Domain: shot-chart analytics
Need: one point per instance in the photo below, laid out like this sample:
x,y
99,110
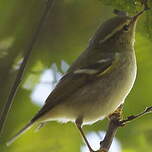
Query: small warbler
x,y
98,81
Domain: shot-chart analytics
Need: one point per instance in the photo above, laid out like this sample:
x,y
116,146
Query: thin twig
x,y
7,106
133,117
145,4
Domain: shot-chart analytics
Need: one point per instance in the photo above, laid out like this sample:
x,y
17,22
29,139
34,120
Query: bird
x,y
98,81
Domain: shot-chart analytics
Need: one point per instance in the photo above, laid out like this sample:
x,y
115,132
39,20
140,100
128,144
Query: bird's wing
x,y
69,84
74,80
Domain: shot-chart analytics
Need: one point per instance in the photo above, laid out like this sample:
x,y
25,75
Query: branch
x,y
133,117
114,124
19,76
110,134
145,4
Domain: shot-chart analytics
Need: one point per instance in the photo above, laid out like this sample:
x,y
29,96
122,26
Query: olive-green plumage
x,y
98,81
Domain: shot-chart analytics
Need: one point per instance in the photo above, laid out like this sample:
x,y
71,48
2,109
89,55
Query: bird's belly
x,y
100,98
105,99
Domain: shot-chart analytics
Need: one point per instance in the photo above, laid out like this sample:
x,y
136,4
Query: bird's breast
x,y
113,88
101,97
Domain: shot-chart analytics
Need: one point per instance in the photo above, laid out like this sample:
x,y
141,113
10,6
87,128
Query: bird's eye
x,y
126,28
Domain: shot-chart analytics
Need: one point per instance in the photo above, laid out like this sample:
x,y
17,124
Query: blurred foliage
x,y
64,36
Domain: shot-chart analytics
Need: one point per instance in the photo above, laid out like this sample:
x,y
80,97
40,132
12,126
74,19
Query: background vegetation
x,y
64,36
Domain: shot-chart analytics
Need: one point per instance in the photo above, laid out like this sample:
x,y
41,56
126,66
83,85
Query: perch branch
x,y
115,123
19,76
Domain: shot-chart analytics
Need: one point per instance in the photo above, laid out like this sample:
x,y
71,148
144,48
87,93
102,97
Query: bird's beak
x,y
135,18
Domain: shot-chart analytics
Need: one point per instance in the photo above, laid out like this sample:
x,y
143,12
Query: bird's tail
x,y
23,130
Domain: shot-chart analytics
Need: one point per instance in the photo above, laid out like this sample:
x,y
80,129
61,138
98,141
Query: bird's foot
x,y
117,114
